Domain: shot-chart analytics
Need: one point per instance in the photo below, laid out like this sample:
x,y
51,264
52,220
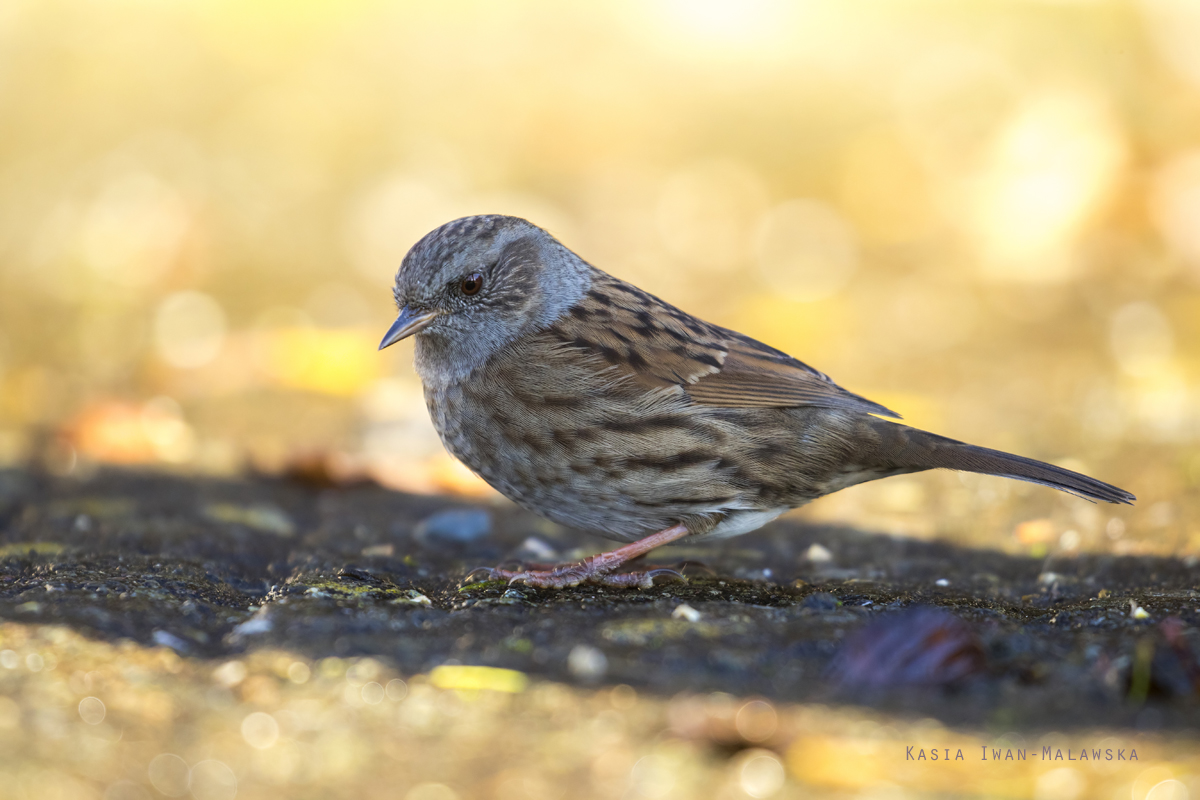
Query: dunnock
x,y
599,406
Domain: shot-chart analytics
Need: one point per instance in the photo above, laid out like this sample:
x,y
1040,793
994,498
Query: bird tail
x,y
909,449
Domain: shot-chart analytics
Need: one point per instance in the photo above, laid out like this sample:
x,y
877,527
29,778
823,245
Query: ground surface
x,y
218,587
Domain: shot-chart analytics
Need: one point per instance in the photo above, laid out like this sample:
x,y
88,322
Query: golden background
x,y
985,215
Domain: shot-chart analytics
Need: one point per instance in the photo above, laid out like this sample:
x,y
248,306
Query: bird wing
x,y
756,375
659,345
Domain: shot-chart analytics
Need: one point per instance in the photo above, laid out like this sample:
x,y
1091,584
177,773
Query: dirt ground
x,y
240,638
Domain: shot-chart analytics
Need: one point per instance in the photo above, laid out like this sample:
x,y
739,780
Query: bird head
x,y
479,282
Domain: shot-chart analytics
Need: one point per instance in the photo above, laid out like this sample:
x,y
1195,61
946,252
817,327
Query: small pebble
x,y
818,554
412,597
454,526
260,622
170,640
538,549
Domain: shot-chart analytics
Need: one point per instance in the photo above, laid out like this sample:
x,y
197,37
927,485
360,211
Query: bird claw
x,y
489,570
642,580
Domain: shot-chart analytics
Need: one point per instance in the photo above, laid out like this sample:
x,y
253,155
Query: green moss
x,y
335,588
482,586
339,589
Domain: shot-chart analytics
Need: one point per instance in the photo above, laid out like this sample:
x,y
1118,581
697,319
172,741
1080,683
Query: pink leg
x,y
598,568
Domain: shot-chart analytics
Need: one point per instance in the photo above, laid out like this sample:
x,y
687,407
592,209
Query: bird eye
x,y
471,284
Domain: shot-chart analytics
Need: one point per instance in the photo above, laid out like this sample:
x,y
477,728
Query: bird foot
x,y
598,569
567,575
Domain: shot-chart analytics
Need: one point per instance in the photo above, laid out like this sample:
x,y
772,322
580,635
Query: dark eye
x,y
471,284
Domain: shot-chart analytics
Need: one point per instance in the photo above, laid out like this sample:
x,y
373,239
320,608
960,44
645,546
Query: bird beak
x,y
409,322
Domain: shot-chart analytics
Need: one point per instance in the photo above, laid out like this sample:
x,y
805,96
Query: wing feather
x,y
660,345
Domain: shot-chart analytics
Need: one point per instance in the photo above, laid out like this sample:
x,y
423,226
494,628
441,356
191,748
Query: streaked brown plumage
x,y
599,406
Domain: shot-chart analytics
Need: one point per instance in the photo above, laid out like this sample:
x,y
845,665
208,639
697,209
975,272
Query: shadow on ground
x,y
211,568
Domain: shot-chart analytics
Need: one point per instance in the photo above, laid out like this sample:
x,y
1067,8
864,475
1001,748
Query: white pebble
x,y
684,611
818,554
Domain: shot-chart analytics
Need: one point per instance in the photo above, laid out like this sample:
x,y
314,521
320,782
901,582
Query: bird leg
x,y
598,569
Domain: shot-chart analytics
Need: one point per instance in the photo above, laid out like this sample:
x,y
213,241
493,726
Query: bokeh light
x,y
132,231
1050,166
189,329
707,213
1176,205
805,250
1141,339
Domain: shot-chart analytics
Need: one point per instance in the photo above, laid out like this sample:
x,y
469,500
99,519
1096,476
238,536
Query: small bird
x,y
595,404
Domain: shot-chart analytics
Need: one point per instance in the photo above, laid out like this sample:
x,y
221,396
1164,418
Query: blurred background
x,y
985,215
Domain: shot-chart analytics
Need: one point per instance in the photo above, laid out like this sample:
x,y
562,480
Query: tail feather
x,y
903,447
